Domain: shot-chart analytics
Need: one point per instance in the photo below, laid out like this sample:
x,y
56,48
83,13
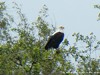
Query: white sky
x,y
75,15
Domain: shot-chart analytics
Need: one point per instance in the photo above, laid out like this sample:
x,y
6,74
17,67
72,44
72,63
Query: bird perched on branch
x,y
55,39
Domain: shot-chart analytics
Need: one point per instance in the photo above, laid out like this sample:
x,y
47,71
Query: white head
x,y
59,29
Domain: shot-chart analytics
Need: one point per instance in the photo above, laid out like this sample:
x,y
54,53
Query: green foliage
x,y
23,52
98,7
86,62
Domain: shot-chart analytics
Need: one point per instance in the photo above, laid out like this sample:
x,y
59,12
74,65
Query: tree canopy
x,y
22,48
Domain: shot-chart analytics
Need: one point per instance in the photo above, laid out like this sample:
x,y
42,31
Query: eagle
x,y
55,39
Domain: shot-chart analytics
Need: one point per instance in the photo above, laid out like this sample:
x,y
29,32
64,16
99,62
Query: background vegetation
x,y
22,48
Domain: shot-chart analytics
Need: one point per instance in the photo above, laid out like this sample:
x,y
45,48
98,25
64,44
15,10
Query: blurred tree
x,y
24,52
86,46
22,48
98,7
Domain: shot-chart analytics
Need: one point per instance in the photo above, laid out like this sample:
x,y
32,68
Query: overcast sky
x,y
75,15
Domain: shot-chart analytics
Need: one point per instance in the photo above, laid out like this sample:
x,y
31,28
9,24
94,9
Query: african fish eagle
x,y
55,39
